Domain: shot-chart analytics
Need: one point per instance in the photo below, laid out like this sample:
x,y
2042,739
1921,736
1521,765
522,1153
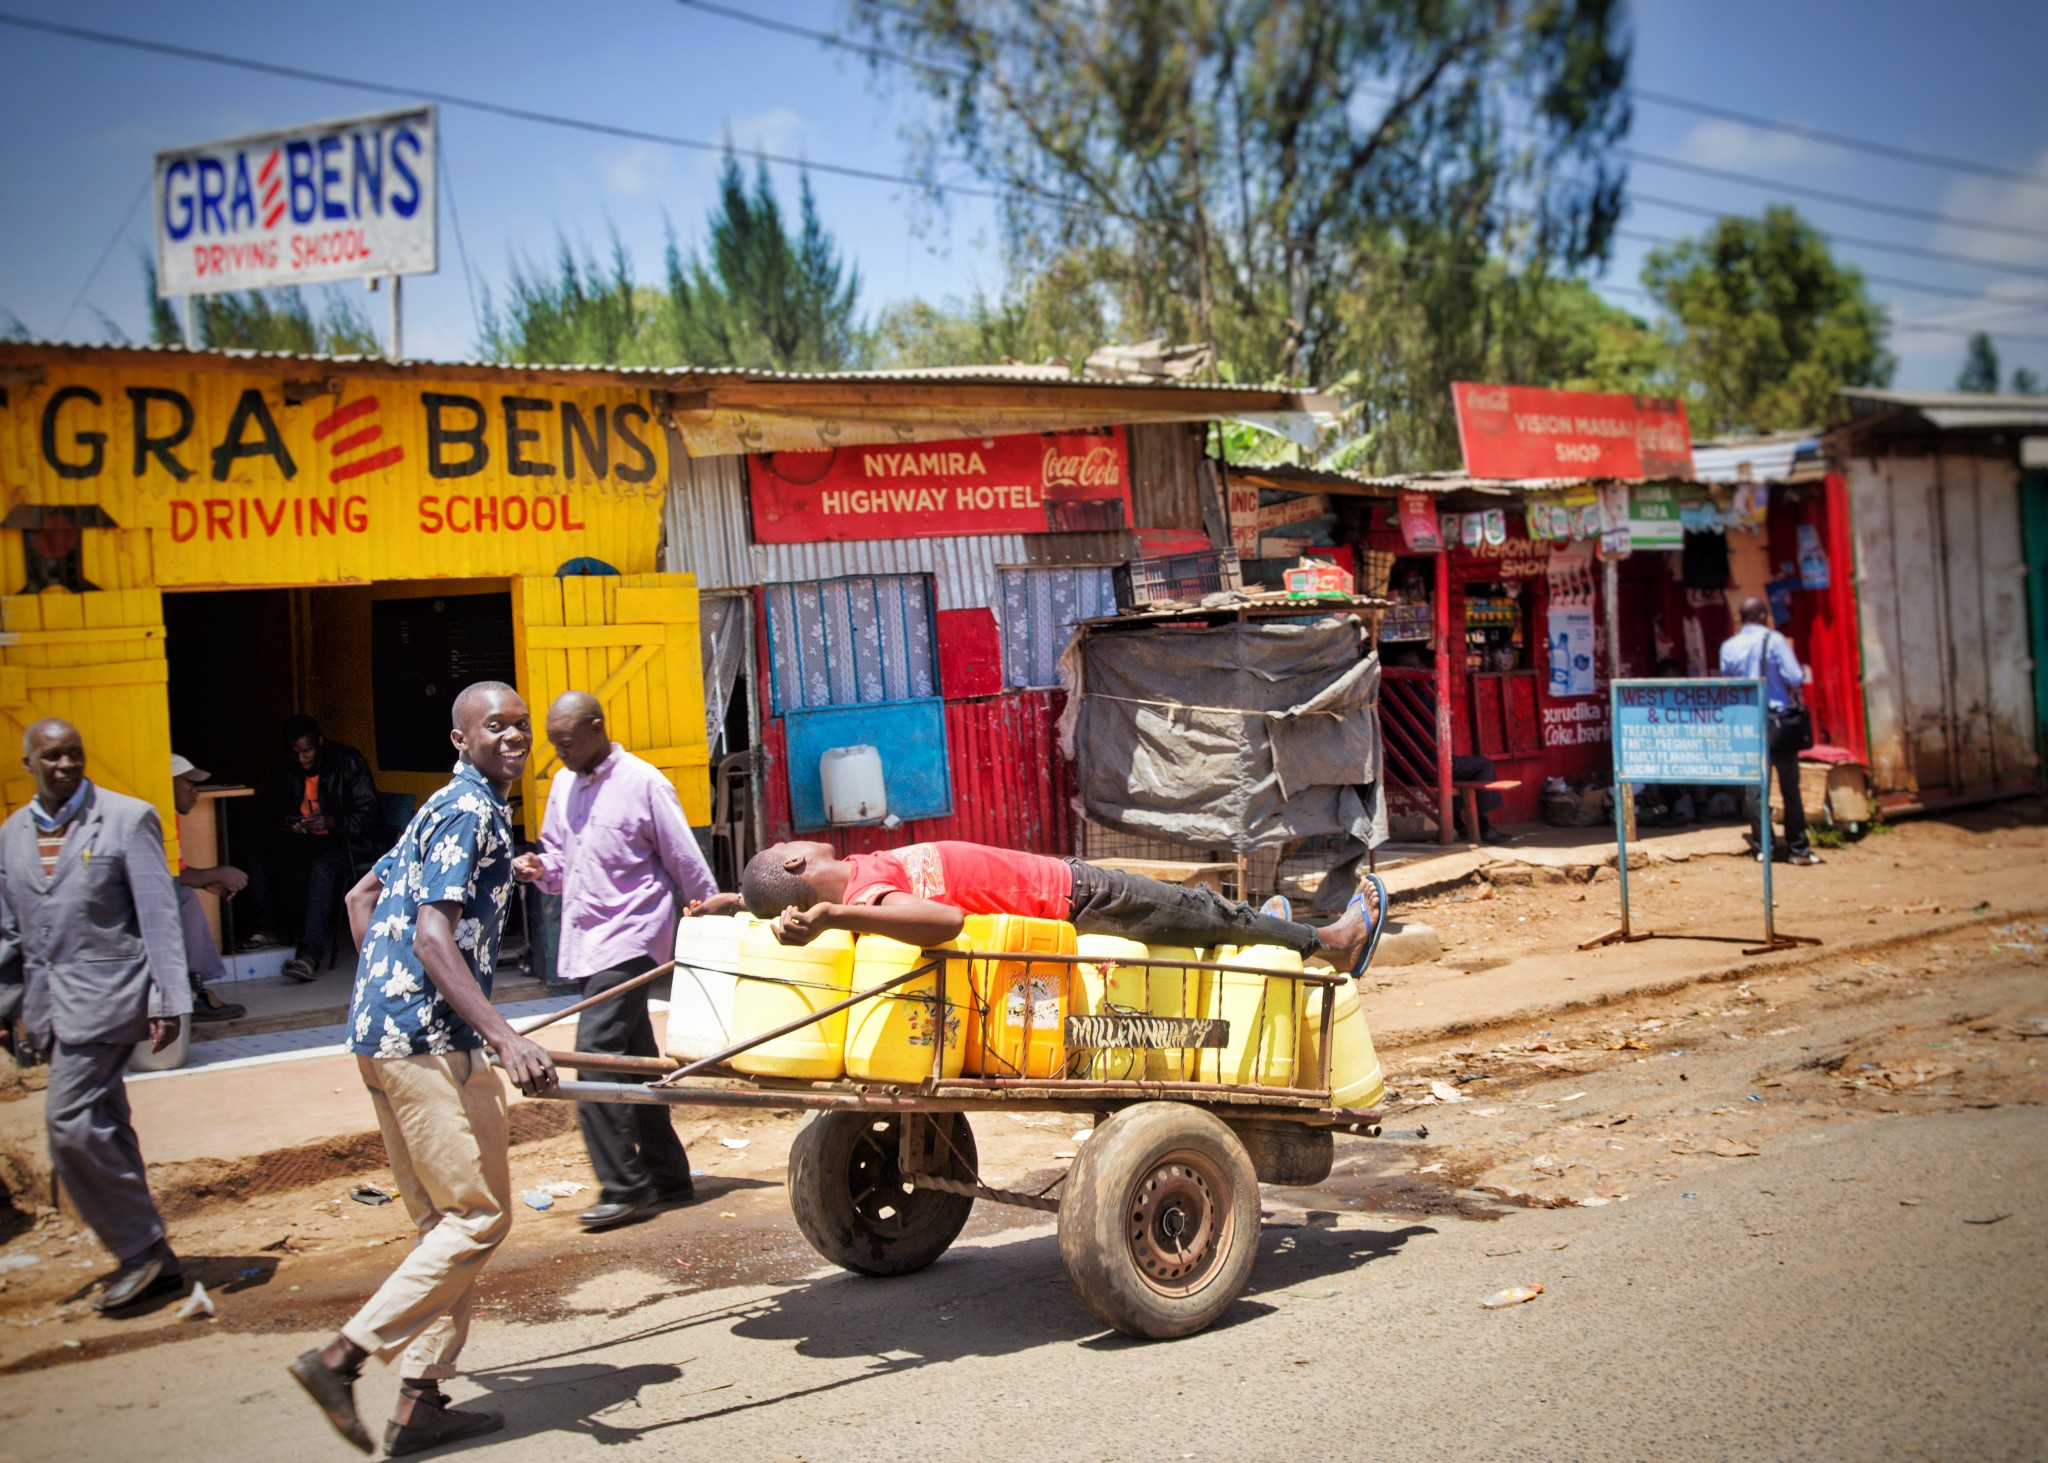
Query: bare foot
x,y
1346,939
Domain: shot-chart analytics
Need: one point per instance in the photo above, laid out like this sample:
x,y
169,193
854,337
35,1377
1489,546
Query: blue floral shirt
x,y
457,849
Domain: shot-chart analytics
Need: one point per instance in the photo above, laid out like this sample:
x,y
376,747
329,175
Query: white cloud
x,y
641,169
2017,205
780,129
1732,145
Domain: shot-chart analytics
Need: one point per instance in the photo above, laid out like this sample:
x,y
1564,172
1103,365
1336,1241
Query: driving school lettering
x,y
554,450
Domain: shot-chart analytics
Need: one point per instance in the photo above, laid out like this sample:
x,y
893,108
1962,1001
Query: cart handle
x,y
529,1027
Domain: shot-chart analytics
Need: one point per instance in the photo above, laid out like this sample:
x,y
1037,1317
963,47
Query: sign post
x,y
1709,732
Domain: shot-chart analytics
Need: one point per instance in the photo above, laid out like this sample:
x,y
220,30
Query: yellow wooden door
x,y
97,661
631,640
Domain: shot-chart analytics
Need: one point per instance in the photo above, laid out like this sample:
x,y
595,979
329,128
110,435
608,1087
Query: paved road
x,y
1788,1306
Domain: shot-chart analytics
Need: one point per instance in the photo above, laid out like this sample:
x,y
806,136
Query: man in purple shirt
x,y
616,848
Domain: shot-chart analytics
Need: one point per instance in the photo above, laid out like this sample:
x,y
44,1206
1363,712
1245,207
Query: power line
x,y
1951,291
476,320
1841,139
1903,327
121,228
520,114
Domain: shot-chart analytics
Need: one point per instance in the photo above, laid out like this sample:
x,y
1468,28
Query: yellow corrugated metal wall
x,y
632,640
97,661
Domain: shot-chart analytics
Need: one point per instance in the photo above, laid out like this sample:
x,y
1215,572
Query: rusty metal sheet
x,y
704,521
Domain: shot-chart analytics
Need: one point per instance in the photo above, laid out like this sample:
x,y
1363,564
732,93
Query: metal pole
x,y
397,351
1763,816
1621,801
1610,591
1444,645
188,317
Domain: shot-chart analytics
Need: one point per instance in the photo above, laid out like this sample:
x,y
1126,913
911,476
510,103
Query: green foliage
x,y
2025,381
1980,365
1056,316
764,295
1765,326
1314,190
264,320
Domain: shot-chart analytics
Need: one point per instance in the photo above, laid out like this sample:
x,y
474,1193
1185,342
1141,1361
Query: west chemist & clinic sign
x,y
338,200
1704,731
1052,482
1530,432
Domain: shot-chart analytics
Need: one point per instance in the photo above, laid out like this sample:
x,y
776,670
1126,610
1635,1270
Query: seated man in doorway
x,y
1476,769
921,894
319,813
202,956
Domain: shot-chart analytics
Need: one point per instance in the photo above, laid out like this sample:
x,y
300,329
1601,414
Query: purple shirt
x,y
615,846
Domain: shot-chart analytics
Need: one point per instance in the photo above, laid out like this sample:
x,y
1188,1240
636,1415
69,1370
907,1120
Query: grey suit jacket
x,y
95,950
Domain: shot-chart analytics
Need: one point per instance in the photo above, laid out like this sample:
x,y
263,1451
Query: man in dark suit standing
x,y
92,961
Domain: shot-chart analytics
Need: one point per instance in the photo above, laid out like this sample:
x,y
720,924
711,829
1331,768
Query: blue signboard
x,y
1706,731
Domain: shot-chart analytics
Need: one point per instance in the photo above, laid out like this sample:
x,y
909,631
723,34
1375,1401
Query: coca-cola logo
x,y
1487,398
1094,468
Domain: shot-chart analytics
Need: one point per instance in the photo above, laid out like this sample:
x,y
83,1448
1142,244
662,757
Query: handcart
x,y
1159,1212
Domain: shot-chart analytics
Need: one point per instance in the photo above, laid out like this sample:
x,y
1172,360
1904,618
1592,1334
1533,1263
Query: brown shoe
x,y
434,1423
335,1394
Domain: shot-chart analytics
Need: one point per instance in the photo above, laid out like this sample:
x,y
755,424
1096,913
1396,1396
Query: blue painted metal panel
x,y
910,735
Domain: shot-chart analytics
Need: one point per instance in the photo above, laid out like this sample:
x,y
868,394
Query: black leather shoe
x,y
206,1006
335,1394
675,1198
605,1216
432,1427
152,1277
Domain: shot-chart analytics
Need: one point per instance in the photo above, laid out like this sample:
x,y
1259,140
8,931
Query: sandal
x,y
1379,922
299,970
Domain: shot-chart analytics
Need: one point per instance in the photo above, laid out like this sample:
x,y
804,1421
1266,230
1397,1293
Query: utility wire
x,y
121,228
476,319
1841,139
1952,291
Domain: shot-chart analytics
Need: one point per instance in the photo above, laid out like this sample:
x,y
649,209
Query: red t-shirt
x,y
969,876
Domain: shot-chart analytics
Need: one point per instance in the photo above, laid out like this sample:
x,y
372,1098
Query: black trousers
x,y
1112,902
1787,769
633,1146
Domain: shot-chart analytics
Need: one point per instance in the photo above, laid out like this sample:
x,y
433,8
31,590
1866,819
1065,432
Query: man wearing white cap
x,y
202,956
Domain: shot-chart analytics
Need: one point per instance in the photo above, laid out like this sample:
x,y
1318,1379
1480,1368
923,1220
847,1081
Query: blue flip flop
x,y
1372,941
1279,907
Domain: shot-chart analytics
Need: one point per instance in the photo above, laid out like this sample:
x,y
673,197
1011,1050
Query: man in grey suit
x,y
92,961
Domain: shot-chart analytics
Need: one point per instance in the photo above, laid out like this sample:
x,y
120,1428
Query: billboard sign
x,y
1530,432
1698,731
339,200
1051,482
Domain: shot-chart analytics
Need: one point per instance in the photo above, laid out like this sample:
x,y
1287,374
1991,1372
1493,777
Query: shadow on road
x,y
980,1301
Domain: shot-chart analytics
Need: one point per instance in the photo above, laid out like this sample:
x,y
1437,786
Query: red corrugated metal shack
x,y
904,556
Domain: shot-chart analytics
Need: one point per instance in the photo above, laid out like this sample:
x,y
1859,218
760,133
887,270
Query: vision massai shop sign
x,y
341,200
1528,432
1053,482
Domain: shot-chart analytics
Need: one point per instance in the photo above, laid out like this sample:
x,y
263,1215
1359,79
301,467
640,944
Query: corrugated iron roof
x,y
1943,411
1287,477
1781,457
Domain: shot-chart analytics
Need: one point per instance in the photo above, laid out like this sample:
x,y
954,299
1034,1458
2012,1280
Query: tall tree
x,y
574,311
264,320
1235,164
2025,381
1765,325
1059,314
1980,365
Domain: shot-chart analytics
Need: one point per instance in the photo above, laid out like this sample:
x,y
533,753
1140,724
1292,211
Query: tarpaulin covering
x,y
1243,736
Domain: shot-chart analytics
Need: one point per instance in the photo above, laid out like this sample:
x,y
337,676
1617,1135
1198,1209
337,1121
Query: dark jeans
x,y
1474,769
633,1146
1111,902
297,889
1787,769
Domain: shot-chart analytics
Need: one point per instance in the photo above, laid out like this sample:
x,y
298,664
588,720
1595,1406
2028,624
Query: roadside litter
x,y
538,1199
370,1194
197,1304
1514,1295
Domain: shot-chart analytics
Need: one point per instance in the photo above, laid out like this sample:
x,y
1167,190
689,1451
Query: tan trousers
x,y
443,1120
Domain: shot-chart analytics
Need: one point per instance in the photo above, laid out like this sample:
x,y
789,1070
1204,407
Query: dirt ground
x,y
1580,1107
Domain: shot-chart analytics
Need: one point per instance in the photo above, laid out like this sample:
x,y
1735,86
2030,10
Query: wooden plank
x,y
1969,683
2008,648
1871,527
116,673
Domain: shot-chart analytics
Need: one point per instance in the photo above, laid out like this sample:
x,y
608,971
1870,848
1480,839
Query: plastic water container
x,y
700,991
1022,1004
1176,991
1261,1011
854,790
1105,988
890,1038
781,983
1355,1076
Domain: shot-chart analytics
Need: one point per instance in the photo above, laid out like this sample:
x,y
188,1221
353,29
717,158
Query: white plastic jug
x,y
700,991
854,790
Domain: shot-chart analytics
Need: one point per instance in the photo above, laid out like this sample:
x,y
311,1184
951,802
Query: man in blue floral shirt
x,y
428,919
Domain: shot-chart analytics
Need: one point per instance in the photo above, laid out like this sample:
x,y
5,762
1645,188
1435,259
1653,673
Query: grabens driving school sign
x,y
241,478
1055,482
340,200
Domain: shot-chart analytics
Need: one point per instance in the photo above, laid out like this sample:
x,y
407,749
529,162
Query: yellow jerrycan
x,y
1261,1010
782,983
1103,986
699,1021
1356,1080
1022,1004
1176,991
890,1037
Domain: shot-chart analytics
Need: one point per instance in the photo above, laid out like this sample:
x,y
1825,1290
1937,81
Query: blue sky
x,y
1962,80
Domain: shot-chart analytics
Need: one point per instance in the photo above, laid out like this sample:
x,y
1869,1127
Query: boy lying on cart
x,y
921,894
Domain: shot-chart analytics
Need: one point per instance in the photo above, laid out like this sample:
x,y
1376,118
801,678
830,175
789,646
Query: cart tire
x,y
1294,1155
853,1204
1159,1221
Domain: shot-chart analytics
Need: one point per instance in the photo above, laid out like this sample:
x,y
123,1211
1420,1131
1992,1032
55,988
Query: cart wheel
x,y
1159,1221
1293,1155
854,1205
